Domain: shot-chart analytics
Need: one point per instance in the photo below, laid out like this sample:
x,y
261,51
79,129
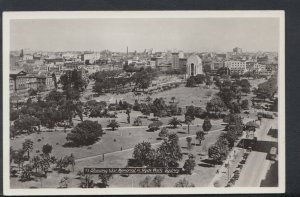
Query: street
x,y
257,165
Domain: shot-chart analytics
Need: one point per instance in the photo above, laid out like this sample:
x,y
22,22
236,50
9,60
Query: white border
x,y
7,16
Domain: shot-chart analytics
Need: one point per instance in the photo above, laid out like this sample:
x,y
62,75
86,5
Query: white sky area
x,y
199,34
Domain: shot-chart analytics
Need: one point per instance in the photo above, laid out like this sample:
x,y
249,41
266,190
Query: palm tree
x,y
174,122
27,146
200,136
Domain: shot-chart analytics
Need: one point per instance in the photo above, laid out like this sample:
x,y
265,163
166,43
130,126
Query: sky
x,y
189,34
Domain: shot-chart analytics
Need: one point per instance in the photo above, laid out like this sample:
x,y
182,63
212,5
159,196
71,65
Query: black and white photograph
x,y
143,102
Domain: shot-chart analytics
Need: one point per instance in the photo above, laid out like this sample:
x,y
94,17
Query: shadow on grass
x,y
100,185
205,165
181,132
211,162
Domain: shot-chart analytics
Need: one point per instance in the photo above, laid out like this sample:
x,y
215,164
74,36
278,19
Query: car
x,y
240,166
243,161
237,171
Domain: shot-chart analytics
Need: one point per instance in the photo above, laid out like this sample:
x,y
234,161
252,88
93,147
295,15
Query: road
x,y
256,166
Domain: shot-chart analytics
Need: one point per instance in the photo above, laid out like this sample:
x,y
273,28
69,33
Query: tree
x,y
189,145
145,182
32,92
174,122
13,131
64,162
54,80
85,133
235,108
18,157
26,123
235,75
190,111
214,152
47,149
235,124
206,125
14,114
215,105
200,79
268,88
230,137
36,162
64,182
26,172
113,124
137,122
54,95
173,99
189,164
105,178
142,79
200,136
169,152
245,104
155,182
155,125
191,82
86,180
41,88
244,83
163,133
27,146
184,183
143,153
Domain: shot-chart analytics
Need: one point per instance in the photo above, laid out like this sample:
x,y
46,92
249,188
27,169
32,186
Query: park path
x,y
130,149
128,127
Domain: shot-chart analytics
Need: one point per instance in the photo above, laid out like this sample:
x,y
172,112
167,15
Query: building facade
x,y
236,66
175,60
194,66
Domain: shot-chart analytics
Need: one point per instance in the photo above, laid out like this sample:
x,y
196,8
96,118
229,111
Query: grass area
x,y
111,141
119,159
197,96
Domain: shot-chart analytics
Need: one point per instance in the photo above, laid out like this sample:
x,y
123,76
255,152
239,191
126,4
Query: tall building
x,y
194,66
236,66
175,60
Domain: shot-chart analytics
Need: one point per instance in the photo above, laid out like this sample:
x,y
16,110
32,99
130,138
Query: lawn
x,y
197,96
201,175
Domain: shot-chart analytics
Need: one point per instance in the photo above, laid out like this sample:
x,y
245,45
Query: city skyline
x,y
139,34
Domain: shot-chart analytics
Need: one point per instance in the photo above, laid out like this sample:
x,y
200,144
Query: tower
x,y
194,66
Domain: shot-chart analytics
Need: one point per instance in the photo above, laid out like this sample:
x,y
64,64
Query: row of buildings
x,y
21,82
